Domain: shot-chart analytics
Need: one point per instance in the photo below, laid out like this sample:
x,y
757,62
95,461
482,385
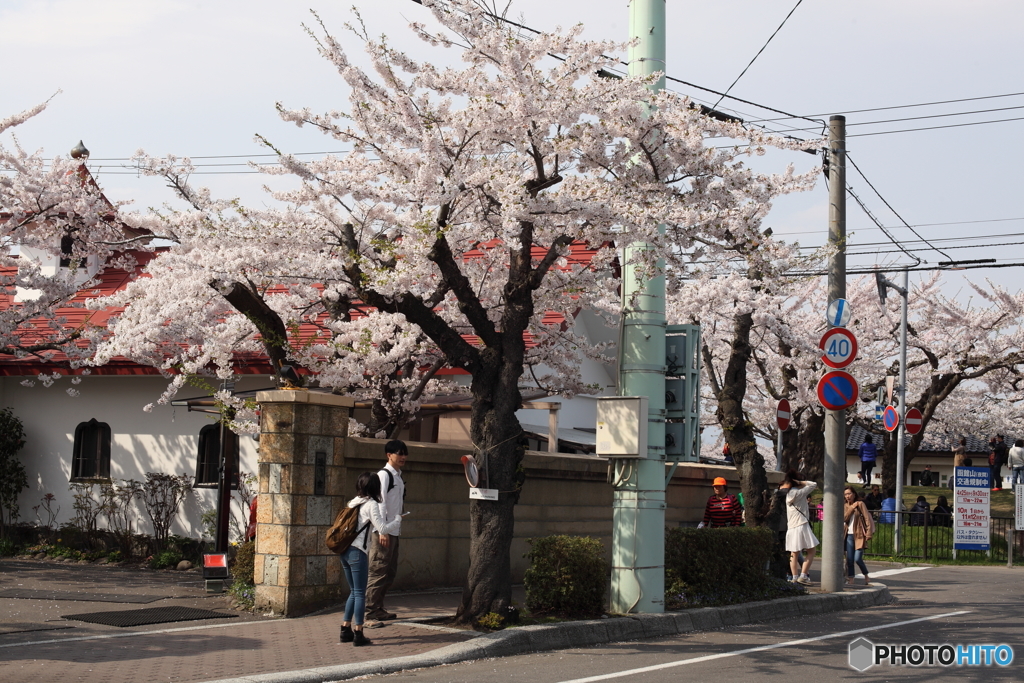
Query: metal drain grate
x,y
150,615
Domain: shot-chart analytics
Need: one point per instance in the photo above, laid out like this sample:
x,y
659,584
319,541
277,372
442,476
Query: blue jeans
x,y
853,554
356,567
1018,477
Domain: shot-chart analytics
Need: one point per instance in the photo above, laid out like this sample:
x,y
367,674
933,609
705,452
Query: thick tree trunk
x,y
500,447
739,432
804,447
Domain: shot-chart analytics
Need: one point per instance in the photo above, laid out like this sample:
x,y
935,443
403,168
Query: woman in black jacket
x,y
942,515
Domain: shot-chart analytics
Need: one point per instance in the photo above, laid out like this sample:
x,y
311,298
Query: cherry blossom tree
x,y
57,233
450,222
964,360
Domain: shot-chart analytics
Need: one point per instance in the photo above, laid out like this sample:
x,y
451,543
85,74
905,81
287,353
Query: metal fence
x,y
929,536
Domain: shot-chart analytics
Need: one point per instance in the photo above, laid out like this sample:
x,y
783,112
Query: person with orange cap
x,y
722,509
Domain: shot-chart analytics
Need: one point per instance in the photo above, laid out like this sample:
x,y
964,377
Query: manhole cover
x,y
150,615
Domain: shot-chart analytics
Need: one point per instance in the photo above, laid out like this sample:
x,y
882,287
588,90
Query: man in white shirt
x,y
384,551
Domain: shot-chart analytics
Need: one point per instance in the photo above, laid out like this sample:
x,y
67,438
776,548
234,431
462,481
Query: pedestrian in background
x,y
927,478
888,509
942,514
868,456
960,453
1015,460
873,501
799,536
722,508
919,513
997,461
384,554
860,527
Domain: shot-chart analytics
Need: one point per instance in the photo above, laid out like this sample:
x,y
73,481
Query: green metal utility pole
x,y
638,535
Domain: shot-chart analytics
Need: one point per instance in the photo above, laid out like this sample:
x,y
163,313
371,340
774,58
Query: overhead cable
x,y
726,93
895,213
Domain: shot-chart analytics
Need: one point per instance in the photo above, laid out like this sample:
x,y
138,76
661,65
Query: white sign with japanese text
x,y
1019,507
971,507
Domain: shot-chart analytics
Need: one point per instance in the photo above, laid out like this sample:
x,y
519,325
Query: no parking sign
x,y
837,390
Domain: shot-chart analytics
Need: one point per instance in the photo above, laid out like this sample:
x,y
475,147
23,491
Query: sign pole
x,y
833,538
897,536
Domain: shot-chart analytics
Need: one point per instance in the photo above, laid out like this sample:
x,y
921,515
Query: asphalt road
x,y
955,605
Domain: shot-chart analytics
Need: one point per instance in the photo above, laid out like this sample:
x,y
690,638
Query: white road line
x,y
762,648
892,572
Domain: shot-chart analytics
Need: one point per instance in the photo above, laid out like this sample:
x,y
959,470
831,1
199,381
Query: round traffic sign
x,y
782,415
891,419
839,347
837,390
838,313
914,421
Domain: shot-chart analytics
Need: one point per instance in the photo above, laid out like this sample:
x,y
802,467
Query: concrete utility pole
x,y
638,515
833,538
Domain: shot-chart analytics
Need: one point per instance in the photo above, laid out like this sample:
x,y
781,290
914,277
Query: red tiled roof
x,y
115,279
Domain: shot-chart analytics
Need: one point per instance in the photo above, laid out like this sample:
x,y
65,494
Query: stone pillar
x,y
302,487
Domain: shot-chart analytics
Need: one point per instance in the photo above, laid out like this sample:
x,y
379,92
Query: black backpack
x,y
345,530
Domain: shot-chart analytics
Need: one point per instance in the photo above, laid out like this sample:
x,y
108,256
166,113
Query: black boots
x,y
346,634
359,639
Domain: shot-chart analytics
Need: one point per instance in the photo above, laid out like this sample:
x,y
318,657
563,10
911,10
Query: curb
x,y
572,634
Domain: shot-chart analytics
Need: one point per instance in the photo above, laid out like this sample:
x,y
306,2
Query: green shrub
x,y
191,548
567,575
719,566
244,566
167,558
115,556
8,547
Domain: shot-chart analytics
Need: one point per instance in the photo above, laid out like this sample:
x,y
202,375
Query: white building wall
x,y
164,440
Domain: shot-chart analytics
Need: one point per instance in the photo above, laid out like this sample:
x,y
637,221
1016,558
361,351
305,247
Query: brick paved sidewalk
x,y
36,643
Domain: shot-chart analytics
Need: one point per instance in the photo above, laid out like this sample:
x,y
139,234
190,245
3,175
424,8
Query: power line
x,y
910,106
865,209
952,125
724,95
921,118
879,194
928,225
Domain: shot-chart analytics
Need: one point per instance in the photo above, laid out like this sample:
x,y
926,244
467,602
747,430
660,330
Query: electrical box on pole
x,y
622,426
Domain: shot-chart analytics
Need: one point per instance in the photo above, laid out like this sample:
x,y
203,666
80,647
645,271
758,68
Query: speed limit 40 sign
x,y
838,347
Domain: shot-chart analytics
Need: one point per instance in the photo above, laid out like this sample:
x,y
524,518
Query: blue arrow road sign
x,y
838,313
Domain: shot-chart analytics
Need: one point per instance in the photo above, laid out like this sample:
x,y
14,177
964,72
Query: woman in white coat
x,y
799,537
354,560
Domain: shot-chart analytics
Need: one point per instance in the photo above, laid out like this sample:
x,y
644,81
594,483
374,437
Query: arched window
x,y
208,460
91,456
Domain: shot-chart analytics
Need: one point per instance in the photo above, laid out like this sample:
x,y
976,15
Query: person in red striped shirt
x,y
722,509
